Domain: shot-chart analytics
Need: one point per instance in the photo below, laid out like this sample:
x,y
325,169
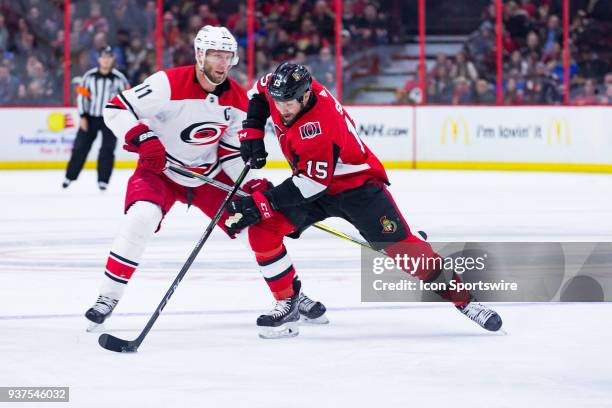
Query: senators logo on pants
x,y
389,226
203,133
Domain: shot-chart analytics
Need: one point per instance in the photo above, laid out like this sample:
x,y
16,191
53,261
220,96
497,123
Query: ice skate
x,y
484,316
100,311
311,312
282,321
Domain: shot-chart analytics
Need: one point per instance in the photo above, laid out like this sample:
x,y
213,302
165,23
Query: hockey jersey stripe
x,y
204,169
126,103
116,103
307,186
343,168
226,158
229,146
196,167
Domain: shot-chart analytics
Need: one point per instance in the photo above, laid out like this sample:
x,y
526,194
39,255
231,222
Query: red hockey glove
x,y
252,147
248,211
257,185
151,152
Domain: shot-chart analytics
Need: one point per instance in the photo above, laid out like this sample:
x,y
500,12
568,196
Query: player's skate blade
x,y
95,327
316,321
290,329
100,311
311,312
482,315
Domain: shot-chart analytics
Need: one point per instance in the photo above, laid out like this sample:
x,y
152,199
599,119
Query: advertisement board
x,y
524,138
43,138
552,138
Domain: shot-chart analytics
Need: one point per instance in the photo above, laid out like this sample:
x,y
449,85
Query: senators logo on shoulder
x,y
203,133
310,130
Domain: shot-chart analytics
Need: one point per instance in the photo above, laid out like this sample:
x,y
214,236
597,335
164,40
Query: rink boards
x,y
534,138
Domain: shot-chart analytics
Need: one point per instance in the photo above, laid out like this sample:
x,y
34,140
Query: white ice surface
x,y
204,350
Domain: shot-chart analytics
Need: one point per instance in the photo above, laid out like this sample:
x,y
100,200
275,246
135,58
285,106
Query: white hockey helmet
x,y
215,38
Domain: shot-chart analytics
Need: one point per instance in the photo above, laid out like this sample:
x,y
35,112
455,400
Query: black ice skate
x,y
282,321
485,317
100,311
311,312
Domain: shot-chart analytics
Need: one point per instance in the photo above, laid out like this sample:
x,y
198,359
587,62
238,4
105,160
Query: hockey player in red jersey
x,y
334,175
187,116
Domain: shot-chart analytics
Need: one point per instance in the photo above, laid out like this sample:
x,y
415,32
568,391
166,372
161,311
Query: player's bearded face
x,y
217,65
290,110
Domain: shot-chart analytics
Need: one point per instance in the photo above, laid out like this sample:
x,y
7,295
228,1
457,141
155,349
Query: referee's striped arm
x,y
123,82
84,93
98,89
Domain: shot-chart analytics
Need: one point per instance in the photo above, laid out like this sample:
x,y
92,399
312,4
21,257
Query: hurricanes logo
x,y
203,133
389,227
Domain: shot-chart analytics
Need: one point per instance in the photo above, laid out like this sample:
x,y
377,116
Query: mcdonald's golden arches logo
x,y
455,128
557,131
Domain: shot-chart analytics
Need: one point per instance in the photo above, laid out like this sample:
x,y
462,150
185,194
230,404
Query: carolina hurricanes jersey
x,y
198,129
322,146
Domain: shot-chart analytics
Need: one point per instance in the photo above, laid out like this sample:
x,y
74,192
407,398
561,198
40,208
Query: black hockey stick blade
x,y
113,343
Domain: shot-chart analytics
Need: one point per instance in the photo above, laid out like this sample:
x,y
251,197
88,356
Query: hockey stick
x,y
113,343
189,173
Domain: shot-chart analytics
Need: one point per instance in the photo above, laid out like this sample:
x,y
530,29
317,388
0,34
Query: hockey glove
x,y
248,211
254,185
151,152
252,147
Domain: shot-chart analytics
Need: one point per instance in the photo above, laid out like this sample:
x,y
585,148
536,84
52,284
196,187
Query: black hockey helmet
x,y
289,81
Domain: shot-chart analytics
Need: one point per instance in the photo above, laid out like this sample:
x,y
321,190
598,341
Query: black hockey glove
x,y
252,147
247,211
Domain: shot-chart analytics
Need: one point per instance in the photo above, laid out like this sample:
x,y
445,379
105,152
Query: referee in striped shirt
x,y
98,86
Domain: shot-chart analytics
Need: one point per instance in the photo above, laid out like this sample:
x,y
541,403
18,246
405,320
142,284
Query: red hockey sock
x,y
430,269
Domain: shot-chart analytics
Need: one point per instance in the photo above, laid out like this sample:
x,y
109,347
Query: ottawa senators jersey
x,y
198,129
322,146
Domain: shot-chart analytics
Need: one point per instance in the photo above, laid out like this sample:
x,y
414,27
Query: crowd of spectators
x,y
31,52
182,19
301,31
591,51
32,46
128,26
32,40
533,58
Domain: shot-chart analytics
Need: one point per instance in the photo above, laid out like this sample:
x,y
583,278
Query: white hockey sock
x,y
137,228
